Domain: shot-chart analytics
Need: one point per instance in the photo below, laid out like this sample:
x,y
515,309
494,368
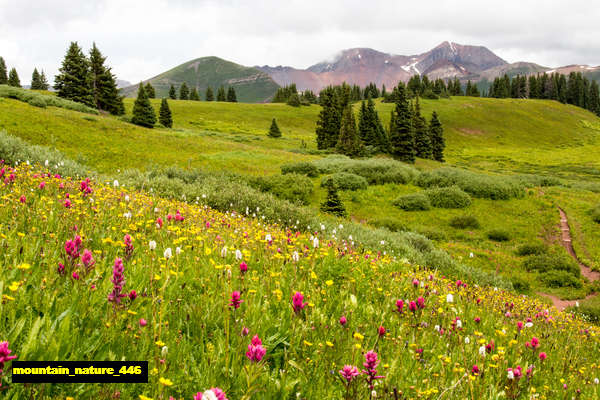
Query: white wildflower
x,y
238,255
209,395
164,351
268,237
127,215
316,242
116,183
449,298
295,256
178,250
510,375
152,245
467,340
528,324
458,324
482,351
224,252
168,253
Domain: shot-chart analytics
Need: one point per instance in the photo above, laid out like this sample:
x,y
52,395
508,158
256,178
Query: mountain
x,y
251,85
122,83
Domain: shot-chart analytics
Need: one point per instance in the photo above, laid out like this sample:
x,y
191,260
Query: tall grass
x,y
43,100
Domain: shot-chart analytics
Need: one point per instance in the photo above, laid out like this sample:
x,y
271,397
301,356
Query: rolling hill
x,y
251,85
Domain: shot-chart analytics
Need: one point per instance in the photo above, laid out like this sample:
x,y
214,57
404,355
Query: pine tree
x,y
329,121
231,97
184,92
104,84
150,92
221,94
402,138
274,130
13,78
423,148
43,81
333,204
74,81
436,133
365,129
294,100
172,93
164,115
348,142
3,72
194,94
35,80
209,94
143,113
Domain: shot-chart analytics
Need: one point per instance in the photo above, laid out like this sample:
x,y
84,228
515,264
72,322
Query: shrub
x,y
464,222
302,168
43,100
590,313
345,181
291,187
596,214
432,233
376,171
498,235
530,249
448,197
520,285
413,202
556,279
549,262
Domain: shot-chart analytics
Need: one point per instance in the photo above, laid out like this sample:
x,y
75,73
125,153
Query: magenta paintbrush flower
x,y
412,306
370,364
236,300
118,281
399,306
243,267
349,372
298,302
256,351
87,259
5,355
421,302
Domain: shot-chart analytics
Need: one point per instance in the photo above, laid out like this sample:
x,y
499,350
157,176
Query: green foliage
x,y
274,130
550,261
291,187
413,202
294,100
402,135
370,127
150,90
530,249
436,133
498,235
349,143
465,222
35,80
231,96
143,113
209,96
329,120
172,93
283,94
43,100
333,204
184,92
164,115
74,81
596,214
194,94
392,224
559,278
303,168
13,78
423,145
376,171
448,197
221,94
345,181
3,72
104,85
520,285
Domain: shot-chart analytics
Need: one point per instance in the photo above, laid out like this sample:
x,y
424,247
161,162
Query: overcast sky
x,y
143,38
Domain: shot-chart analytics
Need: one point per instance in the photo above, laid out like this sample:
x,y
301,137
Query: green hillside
x,y
251,85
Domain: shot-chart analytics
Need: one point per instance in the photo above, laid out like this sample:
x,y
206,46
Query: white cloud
x,y
144,38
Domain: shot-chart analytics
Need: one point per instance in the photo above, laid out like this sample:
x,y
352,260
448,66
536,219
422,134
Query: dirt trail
x,y
586,271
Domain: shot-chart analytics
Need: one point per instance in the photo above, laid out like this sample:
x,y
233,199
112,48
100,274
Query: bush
x,y
520,284
43,100
550,262
302,168
432,233
589,313
464,222
498,235
596,214
448,197
345,181
557,279
413,202
291,187
376,171
532,249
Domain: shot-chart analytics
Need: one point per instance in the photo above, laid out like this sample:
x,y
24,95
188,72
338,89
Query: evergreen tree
x,y
594,98
172,93
402,139
164,115
43,82
436,133
283,93
3,72
184,92
383,92
13,78
274,130
35,80
423,148
329,121
333,204
209,94
143,113
104,85
150,92
194,94
74,81
364,127
231,97
294,100
348,142
221,94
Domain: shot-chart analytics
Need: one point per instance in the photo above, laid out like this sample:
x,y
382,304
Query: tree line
x,y
185,93
11,78
408,136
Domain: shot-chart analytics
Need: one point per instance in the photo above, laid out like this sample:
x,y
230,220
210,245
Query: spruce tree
x,y
294,100
348,142
329,121
3,72
274,130
422,140
402,139
172,93
365,129
594,98
143,113
74,81
221,94
43,81
231,97
184,92
194,94
436,133
209,94
333,204
13,78
164,115
150,92
104,84
35,80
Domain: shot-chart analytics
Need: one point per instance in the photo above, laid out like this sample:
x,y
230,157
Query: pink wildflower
x,y
5,355
381,331
118,281
343,320
298,302
243,267
236,300
542,356
399,305
475,370
349,372
87,259
370,365
256,351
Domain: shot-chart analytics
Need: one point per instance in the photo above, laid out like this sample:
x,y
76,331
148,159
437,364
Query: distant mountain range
x,y
359,66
